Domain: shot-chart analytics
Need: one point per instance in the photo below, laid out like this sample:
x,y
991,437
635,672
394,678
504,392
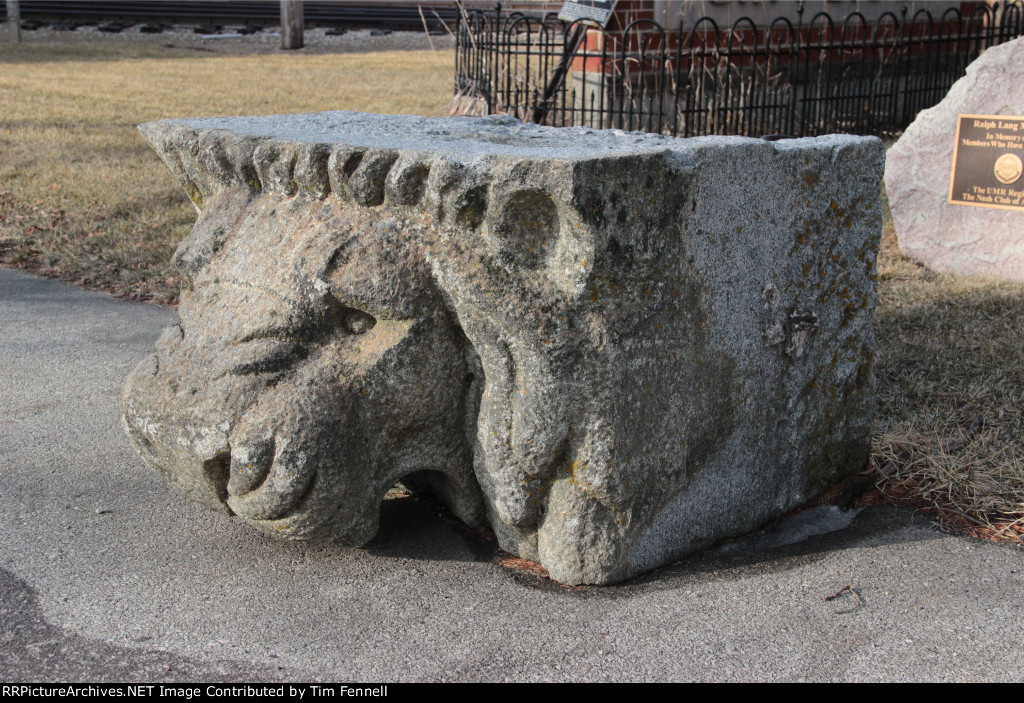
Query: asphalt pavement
x,y
107,574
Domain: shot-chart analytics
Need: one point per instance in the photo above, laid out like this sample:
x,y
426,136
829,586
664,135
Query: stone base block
x,y
615,348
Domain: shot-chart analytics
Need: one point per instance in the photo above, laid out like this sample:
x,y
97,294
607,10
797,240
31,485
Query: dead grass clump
x,y
950,368
464,104
972,478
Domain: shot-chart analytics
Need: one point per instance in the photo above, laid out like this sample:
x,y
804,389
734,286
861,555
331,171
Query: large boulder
x,y
950,237
613,348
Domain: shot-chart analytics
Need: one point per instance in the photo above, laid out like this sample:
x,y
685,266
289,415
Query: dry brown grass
x,y
84,199
950,429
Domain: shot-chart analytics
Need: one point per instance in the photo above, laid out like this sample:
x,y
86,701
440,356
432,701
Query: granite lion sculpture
x,y
598,343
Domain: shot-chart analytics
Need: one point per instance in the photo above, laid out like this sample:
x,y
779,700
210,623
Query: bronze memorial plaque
x,y
988,161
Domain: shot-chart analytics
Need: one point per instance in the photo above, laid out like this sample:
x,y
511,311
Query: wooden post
x,y
291,24
14,19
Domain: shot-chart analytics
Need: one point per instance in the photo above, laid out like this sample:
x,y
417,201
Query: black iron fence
x,y
802,76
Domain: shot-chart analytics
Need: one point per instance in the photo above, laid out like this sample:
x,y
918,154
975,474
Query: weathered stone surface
x,y
977,241
615,348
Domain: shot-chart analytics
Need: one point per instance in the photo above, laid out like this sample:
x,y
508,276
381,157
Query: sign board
x,y
595,12
988,162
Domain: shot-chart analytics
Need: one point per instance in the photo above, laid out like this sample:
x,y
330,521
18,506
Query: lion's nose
x,y
200,475
175,432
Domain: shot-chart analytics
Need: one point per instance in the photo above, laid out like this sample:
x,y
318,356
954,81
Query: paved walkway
x,y
107,574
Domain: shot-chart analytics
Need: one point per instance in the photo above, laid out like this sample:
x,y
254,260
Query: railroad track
x,y
385,15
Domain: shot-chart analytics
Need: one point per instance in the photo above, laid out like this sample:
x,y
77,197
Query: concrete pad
x,y
107,574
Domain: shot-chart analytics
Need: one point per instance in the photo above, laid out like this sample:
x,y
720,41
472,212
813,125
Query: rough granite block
x,y
614,348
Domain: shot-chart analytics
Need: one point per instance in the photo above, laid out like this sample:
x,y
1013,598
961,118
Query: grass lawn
x,y
950,368
82,196
84,199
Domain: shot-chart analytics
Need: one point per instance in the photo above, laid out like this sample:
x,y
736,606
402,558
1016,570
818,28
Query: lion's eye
x,y
359,322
